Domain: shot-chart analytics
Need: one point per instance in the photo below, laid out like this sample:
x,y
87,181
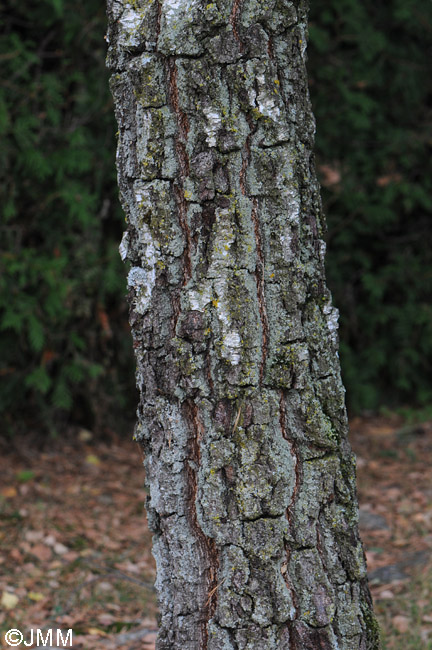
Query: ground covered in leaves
x,y
75,545
75,549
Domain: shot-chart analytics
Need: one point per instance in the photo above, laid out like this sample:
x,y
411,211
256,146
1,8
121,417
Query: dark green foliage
x,y
64,347
64,343
371,86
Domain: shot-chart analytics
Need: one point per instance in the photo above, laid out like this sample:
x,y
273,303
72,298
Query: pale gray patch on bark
x,y
241,418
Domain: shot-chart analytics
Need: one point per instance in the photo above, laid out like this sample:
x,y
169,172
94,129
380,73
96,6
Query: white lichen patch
x,y
303,40
231,345
214,123
199,298
144,121
292,201
322,250
132,34
142,61
153,207
177,26
268,103
268,107
332,318
221,269
224,237
124,246
142,282
264,93
286,241
174,426
172,9
149,248
231,348
166,487
142,279
130,20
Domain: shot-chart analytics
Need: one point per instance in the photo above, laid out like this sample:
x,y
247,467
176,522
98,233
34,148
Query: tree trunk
x,y
242,418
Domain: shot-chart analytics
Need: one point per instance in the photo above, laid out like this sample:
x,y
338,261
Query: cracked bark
x,y
241,417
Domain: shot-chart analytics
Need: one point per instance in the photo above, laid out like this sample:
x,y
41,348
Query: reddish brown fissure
x,y
270,48
288,513
175,306
183,161
207,544
234,19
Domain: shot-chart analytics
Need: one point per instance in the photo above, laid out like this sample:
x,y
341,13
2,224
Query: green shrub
x,y
65,352
64,348
371,86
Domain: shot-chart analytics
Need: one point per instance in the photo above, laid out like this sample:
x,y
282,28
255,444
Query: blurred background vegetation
x,y
371,85
65,349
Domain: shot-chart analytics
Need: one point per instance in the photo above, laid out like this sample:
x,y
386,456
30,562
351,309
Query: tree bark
x,y
242,418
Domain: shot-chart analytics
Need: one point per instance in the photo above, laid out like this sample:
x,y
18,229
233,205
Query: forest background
x,y
65,348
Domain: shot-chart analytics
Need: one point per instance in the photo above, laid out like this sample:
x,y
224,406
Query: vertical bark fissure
x,y
294,454
245,162
235,11
183,160
175,309
289,516
270,49
158,22
207,544
259,277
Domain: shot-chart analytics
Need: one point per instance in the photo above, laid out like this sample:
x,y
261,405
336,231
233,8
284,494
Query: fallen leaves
x,y
41,552
36,596
8,600
9,492
69,516
76,549
394,483
92,459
